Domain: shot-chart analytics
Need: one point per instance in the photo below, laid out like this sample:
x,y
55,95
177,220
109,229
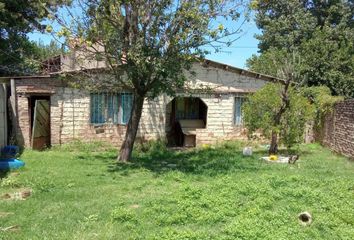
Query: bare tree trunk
x,y
273,149
132,129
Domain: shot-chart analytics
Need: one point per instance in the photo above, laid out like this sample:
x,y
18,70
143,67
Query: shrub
x,y
261,109
122,214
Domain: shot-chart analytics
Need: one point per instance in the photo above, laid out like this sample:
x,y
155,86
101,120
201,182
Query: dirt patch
x,y
135,206
5,214
19,195
14,174
13,228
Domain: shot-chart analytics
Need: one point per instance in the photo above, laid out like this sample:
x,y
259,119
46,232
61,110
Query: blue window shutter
x,y
101,108
115,108
97,108
110,108
238,111
92,105
127,104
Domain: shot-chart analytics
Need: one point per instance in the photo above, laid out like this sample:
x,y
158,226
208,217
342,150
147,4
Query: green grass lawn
x,y
213,193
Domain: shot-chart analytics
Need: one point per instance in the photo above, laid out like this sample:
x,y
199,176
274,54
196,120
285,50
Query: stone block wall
x,y
220,120
23,128
25,88
70,119
70,110
338,129
71,114
220,79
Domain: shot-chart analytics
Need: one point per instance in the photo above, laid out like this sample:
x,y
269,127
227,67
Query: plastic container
x,y
7,164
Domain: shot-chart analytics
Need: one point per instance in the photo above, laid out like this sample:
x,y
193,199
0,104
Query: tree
x,y
147,45
32,62
269,62
281,120
17,18
328,59
47,51
321,32
323,102
281,110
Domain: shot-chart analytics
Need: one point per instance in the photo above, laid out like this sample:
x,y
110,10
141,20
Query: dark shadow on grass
x,y
223,159
195,161
3,173
90,157
202,161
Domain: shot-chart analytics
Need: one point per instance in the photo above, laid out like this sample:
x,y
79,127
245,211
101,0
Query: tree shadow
x,y
96,156
3,174
222,159
195,161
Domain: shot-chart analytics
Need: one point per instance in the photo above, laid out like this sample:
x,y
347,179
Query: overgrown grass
x,y
210,193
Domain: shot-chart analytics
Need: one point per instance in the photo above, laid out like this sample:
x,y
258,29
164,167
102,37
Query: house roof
x,y
24,77
205,63
226,67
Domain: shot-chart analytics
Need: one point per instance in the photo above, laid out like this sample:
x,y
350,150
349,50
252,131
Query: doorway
x,y
185,113
39,122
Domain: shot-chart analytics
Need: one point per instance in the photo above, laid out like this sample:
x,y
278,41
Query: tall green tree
x,y
147,44
17,18
45,51
321,33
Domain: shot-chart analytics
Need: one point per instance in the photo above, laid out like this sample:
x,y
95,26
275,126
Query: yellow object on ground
x,y
205,146
273,157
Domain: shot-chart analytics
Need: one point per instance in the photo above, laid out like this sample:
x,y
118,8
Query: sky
x,y
235,55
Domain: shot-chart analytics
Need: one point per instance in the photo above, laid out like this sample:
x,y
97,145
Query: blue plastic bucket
x,y
7,164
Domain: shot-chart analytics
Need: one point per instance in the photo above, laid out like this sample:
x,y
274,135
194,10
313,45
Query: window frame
x,y
235,123
191,108
118,113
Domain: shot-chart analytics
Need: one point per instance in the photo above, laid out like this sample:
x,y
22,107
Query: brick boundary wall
x,y
337,132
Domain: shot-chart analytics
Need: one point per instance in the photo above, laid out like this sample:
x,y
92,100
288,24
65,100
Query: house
x,y
47,111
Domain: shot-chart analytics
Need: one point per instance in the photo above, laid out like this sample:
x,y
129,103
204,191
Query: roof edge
x,y
204,62
22,77
241,71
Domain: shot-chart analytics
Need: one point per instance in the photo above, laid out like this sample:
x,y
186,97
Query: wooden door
x,y
41,125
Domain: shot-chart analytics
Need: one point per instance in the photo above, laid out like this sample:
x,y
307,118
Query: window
x,y
238,110
126,106
187,108
111,108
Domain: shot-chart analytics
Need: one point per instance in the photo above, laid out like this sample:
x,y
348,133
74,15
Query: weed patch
x,y
213,192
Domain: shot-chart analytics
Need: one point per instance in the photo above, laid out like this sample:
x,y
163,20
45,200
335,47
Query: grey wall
x,y
3,116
